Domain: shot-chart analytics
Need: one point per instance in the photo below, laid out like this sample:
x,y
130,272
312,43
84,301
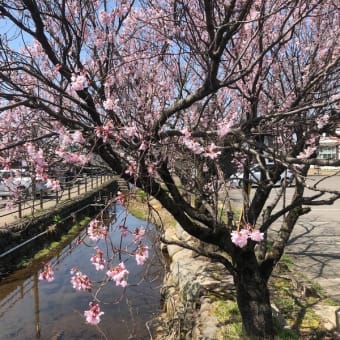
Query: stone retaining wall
x,y
192,288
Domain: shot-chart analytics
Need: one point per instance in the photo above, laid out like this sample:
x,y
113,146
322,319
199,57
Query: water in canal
x,y
35,309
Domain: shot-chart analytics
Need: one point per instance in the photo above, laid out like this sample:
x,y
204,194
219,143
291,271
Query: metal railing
x,y
38,202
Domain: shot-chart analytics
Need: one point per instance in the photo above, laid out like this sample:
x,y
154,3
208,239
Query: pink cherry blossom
x,y
224,128
78,137
81,282
138,234
124,230
104,131
211,151
93,314
47,274
105,18
158,90
322,121
151,168
142,254
143,146
240,238
131,169
97,230
78,82
256,235
118,274
98,260
53,184
120,198
305,154
109,104
130,131
194,146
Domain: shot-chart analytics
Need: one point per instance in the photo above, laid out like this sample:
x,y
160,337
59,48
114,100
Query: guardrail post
x,y
91,182
78,188
69,192
19,209
41,200
33,207
97,181
85,184
101,179
56,197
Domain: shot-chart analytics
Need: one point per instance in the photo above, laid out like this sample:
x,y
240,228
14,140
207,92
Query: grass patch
x,y
24,263
228,315
296,309
286,334
150,210
295,306
287,260
227,310
54,246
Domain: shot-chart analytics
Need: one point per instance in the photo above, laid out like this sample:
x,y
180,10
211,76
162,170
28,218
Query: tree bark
x,y
253,298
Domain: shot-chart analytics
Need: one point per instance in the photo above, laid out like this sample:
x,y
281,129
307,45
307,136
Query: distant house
x,y
329,148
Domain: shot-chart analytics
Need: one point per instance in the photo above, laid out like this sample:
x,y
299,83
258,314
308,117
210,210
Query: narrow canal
x,y
34,309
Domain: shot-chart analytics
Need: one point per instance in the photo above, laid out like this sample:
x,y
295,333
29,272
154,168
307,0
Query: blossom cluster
x,y
97,230
142,254
47,274
306,153
322,121
37,158
98,260
104,131
120,198
240,237
118,274
93,314
80,281
78,82
138,234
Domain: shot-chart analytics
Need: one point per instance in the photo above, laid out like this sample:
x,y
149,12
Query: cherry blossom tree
x,y
174,96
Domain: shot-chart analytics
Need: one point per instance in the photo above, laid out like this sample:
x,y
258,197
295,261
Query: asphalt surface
x,y
315,242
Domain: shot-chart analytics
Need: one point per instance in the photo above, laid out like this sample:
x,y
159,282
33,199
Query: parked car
x,y
237,179
41,187
14,183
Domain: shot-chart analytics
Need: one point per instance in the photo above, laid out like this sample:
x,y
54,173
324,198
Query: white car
x,y
41,187
237,179
13,183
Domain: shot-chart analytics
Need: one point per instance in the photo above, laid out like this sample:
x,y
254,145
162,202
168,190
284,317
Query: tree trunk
x,y
253,298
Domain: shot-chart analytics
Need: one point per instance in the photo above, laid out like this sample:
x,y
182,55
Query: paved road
x,y
315,241
315,244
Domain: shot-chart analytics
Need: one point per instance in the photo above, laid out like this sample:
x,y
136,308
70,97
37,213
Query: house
x,y
329,148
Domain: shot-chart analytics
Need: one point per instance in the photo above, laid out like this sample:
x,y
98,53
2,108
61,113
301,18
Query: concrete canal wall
x,y
26,236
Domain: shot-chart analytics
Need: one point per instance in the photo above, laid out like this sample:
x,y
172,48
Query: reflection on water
x,y
30,308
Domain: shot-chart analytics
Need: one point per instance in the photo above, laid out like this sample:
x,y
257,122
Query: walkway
x,y
30,208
